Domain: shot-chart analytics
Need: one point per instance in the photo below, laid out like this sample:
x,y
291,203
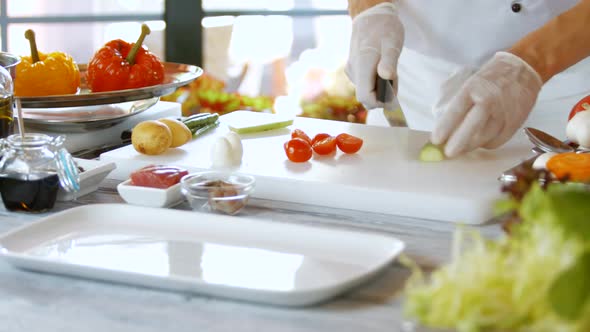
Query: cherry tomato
x,y
298,133
298,150
325,145
582,105
319,137
348,143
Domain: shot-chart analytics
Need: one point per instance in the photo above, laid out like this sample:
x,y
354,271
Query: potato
x,y
180,132
151,137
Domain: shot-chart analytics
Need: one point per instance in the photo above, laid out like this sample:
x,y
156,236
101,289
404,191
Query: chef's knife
x,y
392,109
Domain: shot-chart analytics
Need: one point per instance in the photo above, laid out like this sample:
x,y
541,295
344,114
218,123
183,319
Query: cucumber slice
x,y
245,122
432,152
262,127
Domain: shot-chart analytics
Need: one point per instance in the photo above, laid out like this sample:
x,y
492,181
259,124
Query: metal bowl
x,y
9,61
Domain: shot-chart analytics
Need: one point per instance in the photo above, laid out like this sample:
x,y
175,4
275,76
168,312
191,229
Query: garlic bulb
x,y
227,151
221,153
237,149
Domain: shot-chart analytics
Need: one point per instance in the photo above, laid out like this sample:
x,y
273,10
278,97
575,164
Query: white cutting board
x,y
385,176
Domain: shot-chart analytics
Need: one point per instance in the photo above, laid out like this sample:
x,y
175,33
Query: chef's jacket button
x,y
516,7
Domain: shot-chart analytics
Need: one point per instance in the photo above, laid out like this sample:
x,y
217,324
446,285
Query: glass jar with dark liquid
x,y
6,116
32,169
6,100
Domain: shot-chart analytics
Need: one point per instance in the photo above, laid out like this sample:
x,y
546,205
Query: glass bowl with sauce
x,y
217,191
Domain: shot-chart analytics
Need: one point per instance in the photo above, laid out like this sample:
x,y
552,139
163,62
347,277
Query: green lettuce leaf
x,y
536,279
569,294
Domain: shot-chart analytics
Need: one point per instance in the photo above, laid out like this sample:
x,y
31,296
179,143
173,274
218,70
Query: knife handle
x,y
381,86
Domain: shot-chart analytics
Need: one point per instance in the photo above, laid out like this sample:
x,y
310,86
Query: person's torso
x,y
442,36
470,32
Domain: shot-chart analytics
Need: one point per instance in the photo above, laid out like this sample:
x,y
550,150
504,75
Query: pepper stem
x,y
30,35
145,30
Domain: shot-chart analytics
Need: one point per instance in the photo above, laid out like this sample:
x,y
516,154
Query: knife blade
x,y
392,109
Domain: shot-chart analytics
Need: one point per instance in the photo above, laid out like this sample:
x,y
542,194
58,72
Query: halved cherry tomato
x,y
324,145
582,105
319,137
298,133
298,150
348,143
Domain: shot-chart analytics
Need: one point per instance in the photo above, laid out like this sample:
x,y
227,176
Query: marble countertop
x,y
31,301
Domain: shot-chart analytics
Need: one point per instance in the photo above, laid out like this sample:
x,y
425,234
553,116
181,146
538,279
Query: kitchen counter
x,y
32,301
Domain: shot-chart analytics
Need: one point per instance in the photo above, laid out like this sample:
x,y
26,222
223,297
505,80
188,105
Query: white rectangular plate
x,y
231,257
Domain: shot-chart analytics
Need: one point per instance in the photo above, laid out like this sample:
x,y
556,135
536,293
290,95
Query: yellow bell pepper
x,y
42,74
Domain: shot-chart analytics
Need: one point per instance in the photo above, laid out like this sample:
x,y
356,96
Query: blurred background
x,y
284,56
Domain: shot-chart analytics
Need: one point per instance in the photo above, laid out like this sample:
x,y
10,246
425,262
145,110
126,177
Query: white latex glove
x,y
486,108
375,45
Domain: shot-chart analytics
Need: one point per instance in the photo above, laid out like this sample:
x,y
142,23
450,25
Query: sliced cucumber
x,y
261,127
432,152
245,122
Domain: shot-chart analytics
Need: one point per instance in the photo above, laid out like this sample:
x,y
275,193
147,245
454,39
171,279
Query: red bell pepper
x,y
119,65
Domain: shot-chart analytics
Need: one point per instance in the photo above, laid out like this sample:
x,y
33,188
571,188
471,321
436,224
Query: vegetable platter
x,y
573,166
119,71
175,75
385,176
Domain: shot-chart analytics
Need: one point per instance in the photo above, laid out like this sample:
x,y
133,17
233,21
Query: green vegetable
x,y
536,279
245,129
566,205
201,121
202,130
194,116
570,292
432,153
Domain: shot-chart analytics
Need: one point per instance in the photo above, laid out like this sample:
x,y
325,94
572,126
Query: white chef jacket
x,y
441,36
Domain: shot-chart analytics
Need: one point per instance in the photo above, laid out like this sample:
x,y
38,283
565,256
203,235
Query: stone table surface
x,y
31,301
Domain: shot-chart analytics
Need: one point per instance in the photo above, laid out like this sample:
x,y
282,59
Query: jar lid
x,y
69,177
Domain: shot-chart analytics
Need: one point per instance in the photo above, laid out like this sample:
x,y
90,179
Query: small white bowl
x,y
147,196
94,172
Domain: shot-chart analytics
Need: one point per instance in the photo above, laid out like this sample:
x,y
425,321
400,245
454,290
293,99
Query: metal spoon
x,y
546,142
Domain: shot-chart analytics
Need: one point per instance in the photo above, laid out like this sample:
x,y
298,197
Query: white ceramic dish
x,y
94,172
213,254
146,196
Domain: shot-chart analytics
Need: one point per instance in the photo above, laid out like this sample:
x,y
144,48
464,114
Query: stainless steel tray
x,y
176,75
84,118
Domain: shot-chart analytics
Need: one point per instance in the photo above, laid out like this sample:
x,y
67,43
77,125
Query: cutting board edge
x,y
455,209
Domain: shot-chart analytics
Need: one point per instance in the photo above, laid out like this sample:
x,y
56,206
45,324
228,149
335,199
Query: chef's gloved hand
x,y
375,46
486,108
